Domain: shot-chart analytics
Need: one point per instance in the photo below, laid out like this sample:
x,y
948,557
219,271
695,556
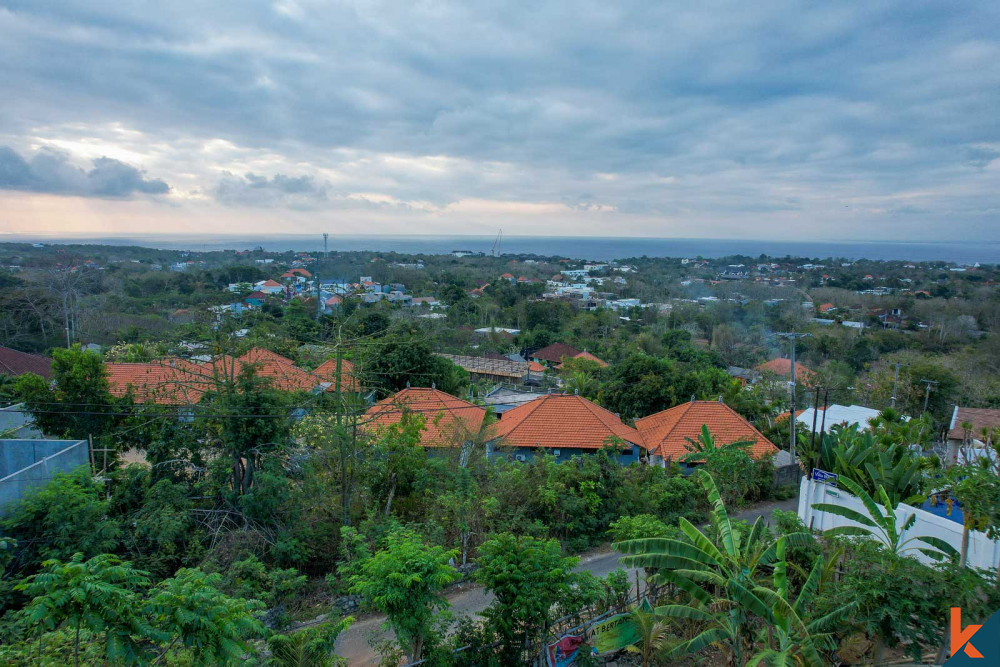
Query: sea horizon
x,y
601,248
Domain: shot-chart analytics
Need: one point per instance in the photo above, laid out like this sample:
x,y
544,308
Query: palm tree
x,y
881,525
706,442
718,577
654,635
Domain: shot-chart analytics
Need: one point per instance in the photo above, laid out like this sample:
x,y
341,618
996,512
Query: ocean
x,y
593,248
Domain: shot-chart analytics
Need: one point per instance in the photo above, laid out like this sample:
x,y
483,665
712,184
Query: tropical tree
x,y
977,488
868,460
404,581
797,638
98,595
882,524
190,609
78,403
525,576
706,443
654,635
718,577
311,647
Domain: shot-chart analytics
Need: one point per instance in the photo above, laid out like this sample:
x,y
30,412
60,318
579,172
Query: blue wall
x,y
19,472
565,453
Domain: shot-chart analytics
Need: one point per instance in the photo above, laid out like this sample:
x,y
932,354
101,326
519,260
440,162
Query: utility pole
x,y
793,337
895,383
927,394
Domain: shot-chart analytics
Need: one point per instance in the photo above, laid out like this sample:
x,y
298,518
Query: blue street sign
x,y
824,477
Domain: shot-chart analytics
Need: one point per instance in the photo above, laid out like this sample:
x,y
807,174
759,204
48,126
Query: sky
x,y
717,119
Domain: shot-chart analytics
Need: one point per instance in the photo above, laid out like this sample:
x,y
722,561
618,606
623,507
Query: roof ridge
x,y
603,414
537,403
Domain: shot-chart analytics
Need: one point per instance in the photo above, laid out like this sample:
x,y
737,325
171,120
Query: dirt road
x,y
470,599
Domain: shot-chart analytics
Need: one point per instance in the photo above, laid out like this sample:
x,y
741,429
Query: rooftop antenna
x,y
325,254
495,250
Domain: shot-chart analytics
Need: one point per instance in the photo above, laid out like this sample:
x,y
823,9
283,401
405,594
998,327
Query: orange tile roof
x,y
561,420
508,276
327,371
281,371
450,421
535,367
183,382
161,382
825,307
590,357
783,367
270,283
665,433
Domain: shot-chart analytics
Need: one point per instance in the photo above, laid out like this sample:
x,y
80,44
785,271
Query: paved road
x,y
470,599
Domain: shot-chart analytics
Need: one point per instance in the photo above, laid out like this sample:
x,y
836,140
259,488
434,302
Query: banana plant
x,y
796,639
882,525
718,577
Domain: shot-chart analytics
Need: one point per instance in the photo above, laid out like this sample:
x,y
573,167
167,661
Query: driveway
x,y
470,599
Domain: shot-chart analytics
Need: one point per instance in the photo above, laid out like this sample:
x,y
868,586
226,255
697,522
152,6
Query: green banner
x,y
617,632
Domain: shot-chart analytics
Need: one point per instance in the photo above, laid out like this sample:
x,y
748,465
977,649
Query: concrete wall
x,y
16,422
787,475
983,552
25,464
624,457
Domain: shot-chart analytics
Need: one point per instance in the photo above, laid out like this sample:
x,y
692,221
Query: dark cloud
x,y
51,172
776,105
256,190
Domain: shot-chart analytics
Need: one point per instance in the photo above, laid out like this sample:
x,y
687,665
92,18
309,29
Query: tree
x,y
404,581
311,647
67,515
706,443
190,609
248,417
977,488
98,595
79,403
716,576
526,575
654,635
798,638
882,525
402,358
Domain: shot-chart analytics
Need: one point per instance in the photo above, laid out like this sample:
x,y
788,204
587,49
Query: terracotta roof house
x,y
281,371
783,367
826,308
161,382
327,371
553,354
183,382
449,421
979,418
565,425
665,433
589,357
14,363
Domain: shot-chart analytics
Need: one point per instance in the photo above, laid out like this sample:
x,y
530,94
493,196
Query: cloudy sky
x,y
765,119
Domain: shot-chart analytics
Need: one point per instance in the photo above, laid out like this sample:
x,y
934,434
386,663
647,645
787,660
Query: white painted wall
x,y
983,553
